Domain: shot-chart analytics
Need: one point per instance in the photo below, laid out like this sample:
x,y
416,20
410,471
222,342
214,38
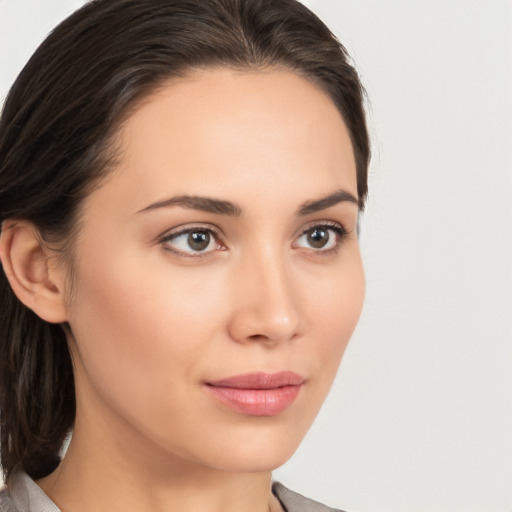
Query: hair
x,y
57,133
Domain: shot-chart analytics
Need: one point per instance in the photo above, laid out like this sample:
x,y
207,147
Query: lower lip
x,y
256,402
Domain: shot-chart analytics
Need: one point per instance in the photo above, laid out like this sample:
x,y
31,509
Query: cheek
x,y
139,326
334,312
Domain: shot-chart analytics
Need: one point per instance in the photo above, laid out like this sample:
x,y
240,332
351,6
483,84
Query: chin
x,y
252,450
254,460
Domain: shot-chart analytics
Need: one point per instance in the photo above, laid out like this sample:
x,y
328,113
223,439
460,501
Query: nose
x,y
264,303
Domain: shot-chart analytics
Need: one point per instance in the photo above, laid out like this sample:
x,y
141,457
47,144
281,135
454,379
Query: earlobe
x,y
25,261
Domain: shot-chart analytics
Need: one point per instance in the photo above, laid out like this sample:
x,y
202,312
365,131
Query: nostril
x,y
261,338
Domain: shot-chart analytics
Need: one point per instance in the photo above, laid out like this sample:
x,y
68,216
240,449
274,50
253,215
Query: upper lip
x,y
260,380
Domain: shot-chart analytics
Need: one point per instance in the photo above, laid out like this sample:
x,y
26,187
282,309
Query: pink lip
x,y
258,394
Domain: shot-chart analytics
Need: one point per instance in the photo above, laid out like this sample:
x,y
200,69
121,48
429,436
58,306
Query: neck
x,y
121,475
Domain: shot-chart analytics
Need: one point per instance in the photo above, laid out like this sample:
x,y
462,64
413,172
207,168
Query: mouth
x,y
258,394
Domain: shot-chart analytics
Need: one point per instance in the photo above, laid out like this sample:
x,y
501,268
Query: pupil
x,y
318,237
199,240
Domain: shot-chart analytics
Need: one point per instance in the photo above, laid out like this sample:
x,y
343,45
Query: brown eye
x,y
191,242
318,237
321,238
198,240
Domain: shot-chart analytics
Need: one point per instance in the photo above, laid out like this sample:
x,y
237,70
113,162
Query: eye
x,y
321,238
192,241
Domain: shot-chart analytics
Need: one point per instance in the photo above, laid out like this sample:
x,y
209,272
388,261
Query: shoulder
x,y
294,502
6,504
22,494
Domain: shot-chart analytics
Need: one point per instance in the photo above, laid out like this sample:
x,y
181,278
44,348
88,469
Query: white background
x,y
420,417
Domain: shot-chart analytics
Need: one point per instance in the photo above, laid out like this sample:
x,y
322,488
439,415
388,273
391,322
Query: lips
x,y
258,394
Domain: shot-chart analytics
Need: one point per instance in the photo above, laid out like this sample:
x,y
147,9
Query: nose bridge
x,y
265,306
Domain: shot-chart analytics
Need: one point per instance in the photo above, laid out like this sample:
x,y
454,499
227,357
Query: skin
x,y
150,323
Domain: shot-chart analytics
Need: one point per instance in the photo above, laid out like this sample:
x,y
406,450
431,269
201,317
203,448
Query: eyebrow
x,y
205,204
222,207
339,196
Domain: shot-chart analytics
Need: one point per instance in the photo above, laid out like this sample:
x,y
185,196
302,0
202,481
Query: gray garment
x,y
294,502
24,495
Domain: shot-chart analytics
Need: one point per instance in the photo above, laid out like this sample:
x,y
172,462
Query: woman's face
x,y
220,253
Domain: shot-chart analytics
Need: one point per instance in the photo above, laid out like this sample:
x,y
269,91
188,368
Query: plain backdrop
x,y
420,417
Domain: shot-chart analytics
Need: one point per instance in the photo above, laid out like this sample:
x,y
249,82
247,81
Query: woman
x,y
180,184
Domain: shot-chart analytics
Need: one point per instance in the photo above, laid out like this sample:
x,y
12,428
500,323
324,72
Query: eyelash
x,y
192,254
339,231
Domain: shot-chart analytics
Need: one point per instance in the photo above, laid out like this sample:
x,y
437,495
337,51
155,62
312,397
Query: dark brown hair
x,y
56,134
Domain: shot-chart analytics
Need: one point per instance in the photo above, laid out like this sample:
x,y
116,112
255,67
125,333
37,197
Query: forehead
x,y
222,132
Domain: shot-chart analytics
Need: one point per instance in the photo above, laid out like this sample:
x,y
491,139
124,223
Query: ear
x,y
26,263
